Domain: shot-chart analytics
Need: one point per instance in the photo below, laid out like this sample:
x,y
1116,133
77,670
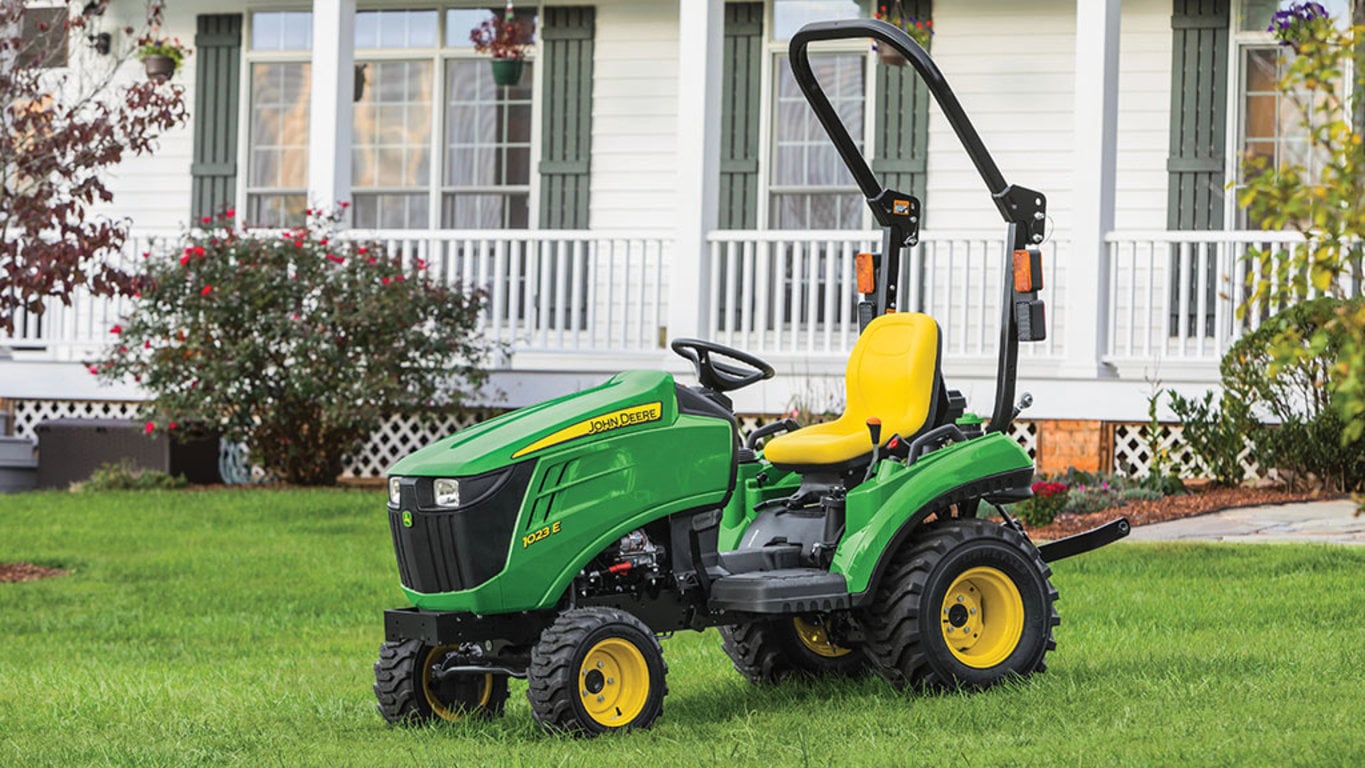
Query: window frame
x,y
775,52
249,58
438,56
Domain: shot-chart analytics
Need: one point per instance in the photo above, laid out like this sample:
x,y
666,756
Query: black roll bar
x,y
1024,210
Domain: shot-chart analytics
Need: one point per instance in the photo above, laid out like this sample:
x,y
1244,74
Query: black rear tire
x,y
773,650
409,694
596,670
996,623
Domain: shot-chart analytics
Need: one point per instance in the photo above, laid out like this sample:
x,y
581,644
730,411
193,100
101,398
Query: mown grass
x,y
239,627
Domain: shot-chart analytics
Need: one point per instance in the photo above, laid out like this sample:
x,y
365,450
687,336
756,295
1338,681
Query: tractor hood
x,y
629,401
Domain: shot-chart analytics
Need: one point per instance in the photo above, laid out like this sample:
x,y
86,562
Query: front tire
x,y
410,692
772,650
967,604
596,670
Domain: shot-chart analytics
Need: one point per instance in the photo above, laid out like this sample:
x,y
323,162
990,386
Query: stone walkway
x,y
1329,522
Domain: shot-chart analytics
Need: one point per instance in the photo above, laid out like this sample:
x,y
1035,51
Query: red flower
x,y
198,250
322,241
332,257
373,260
343,204
185,260
206,290
172,425
421,263
149,428
229,213
362,250
147,344
206,220
146,254
116,329
384,281
298,243
94,369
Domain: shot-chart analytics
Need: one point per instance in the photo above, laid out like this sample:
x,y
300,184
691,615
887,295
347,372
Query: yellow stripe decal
x,y
626,417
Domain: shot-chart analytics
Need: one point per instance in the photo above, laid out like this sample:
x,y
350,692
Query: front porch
x,y
571,307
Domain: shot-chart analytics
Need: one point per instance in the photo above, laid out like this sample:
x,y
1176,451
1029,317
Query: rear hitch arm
x,y
1084,542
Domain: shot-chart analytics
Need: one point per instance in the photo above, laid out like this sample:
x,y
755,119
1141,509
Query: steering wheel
x,y
718,376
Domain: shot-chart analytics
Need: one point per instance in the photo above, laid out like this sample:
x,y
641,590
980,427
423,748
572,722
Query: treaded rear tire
x,y
402,699
905,642
559,672
769,651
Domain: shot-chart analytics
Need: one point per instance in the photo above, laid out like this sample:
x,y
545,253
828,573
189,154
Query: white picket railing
x,y
550,290
1175,295
778,292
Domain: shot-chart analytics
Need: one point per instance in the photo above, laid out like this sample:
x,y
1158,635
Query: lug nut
x,y
611,681
600,698
599,665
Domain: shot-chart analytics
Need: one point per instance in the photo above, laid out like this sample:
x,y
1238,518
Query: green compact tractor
x,y
558,542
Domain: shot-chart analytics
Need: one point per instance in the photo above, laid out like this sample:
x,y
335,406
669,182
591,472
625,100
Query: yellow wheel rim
x,y
451,710
816,639
613,682
983,617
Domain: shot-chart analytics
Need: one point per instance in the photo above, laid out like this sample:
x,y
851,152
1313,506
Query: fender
x,y
882,513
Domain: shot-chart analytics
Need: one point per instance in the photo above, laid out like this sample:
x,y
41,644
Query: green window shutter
x,y
739,114
566,36
218,57
901,132
1199,102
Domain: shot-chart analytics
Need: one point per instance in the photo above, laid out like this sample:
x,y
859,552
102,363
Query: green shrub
x,y
1216,434
1087,499
296,345
124,476
1140,494
1310,446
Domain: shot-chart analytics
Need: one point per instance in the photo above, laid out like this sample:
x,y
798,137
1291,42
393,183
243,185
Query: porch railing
x,y
779,292
1175,295
551,290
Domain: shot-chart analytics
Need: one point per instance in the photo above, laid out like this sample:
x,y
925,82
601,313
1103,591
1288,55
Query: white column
x,y
1096,126
333,90
700,29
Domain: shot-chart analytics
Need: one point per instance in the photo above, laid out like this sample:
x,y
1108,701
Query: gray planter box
x,y
70,449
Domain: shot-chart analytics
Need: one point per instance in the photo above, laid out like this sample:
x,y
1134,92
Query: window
x,y
44,30
810,187
277,143
480,170
487,177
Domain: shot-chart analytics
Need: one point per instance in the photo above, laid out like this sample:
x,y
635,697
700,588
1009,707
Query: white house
x,y
656,174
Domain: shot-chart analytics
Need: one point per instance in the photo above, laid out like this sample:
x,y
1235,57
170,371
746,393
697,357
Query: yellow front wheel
x,y
596,670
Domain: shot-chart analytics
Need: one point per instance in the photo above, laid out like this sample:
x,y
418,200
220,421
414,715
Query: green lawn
x,y
239,627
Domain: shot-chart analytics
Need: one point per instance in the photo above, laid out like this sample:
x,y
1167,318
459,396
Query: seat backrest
x,y
893,373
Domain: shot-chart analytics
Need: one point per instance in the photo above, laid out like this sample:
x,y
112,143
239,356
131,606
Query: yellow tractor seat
x,y
893,374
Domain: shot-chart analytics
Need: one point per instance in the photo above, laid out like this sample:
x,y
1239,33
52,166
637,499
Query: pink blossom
x,y
206,291
149,429
116,329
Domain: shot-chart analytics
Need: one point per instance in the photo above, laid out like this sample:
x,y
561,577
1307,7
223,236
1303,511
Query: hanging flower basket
x,y
507,72
506,38
919,30
159,68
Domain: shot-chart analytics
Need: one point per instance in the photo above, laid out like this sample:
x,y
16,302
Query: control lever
x,y
874,430
1025,401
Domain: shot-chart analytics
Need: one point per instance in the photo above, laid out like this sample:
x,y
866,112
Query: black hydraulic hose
x,y
885,34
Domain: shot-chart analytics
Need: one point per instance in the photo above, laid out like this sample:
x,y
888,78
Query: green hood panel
x,y
628,402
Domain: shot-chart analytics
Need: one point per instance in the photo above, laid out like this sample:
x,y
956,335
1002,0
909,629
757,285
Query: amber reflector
x,y
1023,273
867,277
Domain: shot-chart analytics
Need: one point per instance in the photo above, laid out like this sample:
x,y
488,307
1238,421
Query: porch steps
x,y
18,460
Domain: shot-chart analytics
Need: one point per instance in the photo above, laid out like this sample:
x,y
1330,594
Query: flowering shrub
x,y
1048,499
294,343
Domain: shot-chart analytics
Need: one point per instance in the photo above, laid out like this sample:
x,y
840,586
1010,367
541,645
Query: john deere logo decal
x,y
626,417
407,518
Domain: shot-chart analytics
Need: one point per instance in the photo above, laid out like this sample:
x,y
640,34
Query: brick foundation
x,y
1065,443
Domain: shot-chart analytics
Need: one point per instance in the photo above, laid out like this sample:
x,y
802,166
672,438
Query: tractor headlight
x,y
446,492
393,490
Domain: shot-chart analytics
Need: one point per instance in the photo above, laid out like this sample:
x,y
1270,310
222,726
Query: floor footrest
x,y
770,558
789,590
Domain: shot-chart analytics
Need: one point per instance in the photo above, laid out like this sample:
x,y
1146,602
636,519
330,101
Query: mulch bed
x,y
1201,502
13,572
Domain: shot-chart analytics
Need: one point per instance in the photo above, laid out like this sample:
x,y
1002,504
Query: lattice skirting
x,y
399,436
1133,454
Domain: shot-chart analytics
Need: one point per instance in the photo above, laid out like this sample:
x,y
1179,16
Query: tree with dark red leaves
x,y
61,128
